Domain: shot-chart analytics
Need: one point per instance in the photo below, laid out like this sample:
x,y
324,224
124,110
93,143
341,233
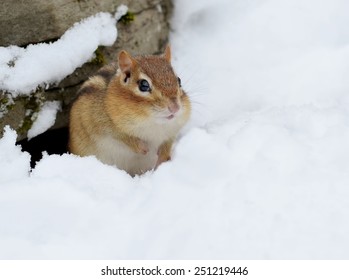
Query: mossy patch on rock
x,y
6,104
127,18
99,58
33,104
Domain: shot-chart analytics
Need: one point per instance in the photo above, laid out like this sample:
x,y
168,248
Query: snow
x,y
49,63
45,118
261,171
14,163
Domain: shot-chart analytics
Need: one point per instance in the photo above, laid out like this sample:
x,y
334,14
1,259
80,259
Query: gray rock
x,y
23,22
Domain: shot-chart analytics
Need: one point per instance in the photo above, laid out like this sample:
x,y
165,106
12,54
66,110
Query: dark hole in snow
x,y
52,141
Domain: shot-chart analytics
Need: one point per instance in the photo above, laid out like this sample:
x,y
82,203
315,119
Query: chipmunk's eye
x,y
179,81
143,85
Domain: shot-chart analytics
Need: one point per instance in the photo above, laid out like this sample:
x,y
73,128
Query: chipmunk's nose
x,y
173,107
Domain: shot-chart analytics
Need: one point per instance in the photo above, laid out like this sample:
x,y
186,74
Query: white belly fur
x,y
114,152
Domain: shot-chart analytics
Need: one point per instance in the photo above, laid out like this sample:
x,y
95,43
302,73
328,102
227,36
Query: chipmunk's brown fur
x,y
125,121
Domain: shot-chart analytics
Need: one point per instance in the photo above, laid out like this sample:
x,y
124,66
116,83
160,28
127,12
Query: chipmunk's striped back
x,y
100,81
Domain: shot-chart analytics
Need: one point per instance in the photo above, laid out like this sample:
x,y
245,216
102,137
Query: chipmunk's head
x,y
150,88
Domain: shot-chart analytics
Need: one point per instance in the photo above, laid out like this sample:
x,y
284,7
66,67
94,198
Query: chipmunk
x,y
130,113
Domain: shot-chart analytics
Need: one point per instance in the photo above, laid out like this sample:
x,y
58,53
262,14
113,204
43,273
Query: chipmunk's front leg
x,y
134,143
164,152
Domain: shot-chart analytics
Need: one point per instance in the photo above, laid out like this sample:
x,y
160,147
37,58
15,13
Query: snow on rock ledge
x,y
22,70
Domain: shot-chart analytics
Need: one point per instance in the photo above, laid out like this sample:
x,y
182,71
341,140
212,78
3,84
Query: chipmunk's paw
x,y
142,147
162,159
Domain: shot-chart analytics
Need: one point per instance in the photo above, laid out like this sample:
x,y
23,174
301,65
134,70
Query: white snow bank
x,y
14,165
22,70
262,171
266,185
248,55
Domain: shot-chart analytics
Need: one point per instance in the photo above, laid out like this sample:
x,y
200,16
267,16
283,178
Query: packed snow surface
x,y
261,171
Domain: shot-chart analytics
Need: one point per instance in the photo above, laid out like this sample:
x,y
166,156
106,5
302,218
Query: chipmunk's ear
x,y
167,53
126,62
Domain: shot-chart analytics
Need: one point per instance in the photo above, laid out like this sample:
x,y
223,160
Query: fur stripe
x,y
95,83
107,72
